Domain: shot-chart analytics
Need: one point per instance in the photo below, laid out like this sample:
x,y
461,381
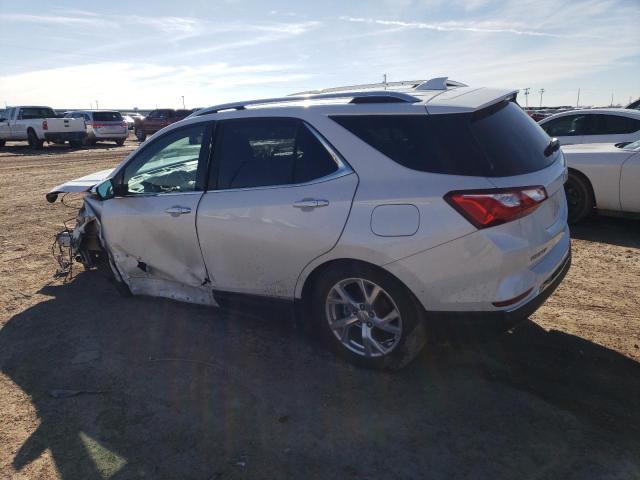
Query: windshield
x,y
633,147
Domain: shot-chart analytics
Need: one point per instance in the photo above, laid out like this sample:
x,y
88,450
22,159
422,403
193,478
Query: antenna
x,y
183,107
97,107
526,96
612,99
384,80
541,92
578,100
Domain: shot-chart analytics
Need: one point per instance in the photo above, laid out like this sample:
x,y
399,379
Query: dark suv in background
x,y
157,120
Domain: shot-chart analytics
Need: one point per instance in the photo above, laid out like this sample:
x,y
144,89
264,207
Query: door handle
x,y
177,210
310,203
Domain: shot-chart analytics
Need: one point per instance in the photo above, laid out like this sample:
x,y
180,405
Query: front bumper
x,y
64,136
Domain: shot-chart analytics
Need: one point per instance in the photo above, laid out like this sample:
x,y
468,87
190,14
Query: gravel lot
x,y
199,393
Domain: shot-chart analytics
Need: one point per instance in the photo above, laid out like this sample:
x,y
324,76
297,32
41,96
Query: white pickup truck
x,y
39,124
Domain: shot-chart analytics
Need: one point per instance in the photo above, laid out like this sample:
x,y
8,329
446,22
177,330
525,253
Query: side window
x,y
153,114
268,151
616,125
169,164
567,126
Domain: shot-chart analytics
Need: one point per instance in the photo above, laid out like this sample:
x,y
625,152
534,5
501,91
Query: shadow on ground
x,y
197,393
624,232
51,149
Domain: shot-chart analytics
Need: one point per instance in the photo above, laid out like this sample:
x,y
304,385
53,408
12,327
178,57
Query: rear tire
x,y
2,142
34,141
75,143
140,135
368,340
120,142
580,199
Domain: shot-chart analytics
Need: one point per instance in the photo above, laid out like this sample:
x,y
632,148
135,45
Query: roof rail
x,y
351,88
381,96
439,83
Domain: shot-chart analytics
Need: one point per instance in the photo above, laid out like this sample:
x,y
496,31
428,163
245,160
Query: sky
x,y
148,54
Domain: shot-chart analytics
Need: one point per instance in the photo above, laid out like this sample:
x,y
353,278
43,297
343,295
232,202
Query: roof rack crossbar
x,y
383,95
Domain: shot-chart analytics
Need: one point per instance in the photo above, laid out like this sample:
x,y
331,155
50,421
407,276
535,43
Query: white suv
x,y
387,213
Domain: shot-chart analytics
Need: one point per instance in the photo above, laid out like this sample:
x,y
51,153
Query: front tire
x,y
75,143
120,142
368,317
580,200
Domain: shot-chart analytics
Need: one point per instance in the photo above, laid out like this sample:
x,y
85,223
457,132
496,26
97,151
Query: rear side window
x,y
567,126
498,141
107,116
268,151
613,125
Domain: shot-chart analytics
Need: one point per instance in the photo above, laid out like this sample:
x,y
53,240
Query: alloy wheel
x,y
363,317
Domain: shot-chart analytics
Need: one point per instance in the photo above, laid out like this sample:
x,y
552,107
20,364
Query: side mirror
x,y
104,190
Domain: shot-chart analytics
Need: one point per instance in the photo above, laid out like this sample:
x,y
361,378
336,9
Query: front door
x,y
279,196
151,228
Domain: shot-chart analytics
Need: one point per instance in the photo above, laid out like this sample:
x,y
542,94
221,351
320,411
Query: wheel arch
x,y
578,173
311,278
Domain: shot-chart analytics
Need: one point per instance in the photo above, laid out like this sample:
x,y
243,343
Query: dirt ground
x,y
188,392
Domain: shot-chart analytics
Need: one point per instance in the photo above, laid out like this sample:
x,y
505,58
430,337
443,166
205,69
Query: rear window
x,y
29,113
107,116
498,141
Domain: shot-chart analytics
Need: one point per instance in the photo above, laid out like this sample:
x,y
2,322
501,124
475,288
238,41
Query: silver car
x,y
387,215
102,125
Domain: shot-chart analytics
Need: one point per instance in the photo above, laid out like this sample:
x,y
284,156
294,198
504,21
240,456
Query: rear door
x,y
278,197
151,230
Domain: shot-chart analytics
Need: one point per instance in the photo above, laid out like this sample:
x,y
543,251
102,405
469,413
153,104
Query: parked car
x,y
157,120
596,125
129,121
385,221
634,105
102,125
39,124
603,176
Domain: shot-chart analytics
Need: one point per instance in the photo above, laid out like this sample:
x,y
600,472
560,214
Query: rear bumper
x,y
64,136
503,319
109,136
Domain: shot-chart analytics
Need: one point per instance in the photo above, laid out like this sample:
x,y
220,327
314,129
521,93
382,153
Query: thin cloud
x,y
458,27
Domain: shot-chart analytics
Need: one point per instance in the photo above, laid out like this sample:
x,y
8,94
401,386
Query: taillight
x,y
487,208
123,124
45,125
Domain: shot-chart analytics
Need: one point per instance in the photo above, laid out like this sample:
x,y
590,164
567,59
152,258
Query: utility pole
x,y
183,107
526,96
384,80
578,100
541,92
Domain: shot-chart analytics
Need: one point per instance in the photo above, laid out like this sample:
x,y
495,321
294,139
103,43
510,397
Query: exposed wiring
x,y
62,254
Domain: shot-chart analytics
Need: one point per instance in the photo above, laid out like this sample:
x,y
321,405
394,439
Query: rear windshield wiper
x,y
553,146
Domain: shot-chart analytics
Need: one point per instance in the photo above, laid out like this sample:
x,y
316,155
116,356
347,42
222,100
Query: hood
x,y
82,184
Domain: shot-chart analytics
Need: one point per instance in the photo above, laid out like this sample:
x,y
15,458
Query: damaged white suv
x,y
388,213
